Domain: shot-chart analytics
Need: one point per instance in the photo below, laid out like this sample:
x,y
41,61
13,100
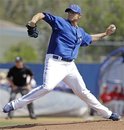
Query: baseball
x,y
113,27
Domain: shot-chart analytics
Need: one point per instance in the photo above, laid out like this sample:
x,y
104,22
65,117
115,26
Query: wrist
x,y
32,23
104,34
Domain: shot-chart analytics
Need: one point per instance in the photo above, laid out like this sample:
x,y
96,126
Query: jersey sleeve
x,y
49,18
87,39
55,22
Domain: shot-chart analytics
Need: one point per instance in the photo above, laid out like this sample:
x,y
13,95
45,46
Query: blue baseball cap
x,y
75,8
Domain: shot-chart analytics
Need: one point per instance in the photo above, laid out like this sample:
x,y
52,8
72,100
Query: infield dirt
x,y
67,125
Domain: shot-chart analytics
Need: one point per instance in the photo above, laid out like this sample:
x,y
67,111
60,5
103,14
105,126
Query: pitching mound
x,y
86,125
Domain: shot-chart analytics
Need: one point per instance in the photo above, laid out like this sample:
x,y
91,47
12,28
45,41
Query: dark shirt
x,y
19,76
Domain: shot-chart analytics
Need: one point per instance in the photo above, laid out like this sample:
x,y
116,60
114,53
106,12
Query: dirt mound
x,y
86,125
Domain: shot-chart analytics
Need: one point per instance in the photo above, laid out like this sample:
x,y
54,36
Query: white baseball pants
x,y
55,71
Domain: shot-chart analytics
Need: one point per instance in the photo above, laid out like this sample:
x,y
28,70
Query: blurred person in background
x,y
115,93
105,97
115,98
19,77
121,101
110,99
3,80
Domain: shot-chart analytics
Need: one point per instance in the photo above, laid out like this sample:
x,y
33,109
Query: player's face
x,y
72,16
19,64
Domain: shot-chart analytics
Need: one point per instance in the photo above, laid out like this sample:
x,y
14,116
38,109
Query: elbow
x,y
37,17
40,16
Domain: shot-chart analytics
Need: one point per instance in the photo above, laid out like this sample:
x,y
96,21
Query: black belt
x,y
61,58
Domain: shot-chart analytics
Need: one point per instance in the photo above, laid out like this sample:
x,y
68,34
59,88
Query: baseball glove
x,y
32,31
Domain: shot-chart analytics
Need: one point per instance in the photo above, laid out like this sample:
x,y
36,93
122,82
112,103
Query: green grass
x,y
4,124
22,121
10,123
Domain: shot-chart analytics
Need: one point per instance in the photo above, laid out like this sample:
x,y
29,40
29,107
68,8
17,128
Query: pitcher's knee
x,y
47,88
84,93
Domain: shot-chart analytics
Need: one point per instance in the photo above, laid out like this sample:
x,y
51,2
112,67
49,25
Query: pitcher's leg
x,y
30,106
75,81
54,72
31,96
12,97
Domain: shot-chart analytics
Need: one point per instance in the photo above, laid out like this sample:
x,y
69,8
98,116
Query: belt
x,y
61,58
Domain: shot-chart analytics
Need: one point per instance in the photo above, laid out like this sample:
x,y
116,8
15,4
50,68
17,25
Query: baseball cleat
x,y
8,107
115,117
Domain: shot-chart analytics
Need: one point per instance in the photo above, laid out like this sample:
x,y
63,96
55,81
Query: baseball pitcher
x,y
66,39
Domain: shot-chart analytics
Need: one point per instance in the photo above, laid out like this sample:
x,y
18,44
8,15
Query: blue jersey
x,y
65,38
